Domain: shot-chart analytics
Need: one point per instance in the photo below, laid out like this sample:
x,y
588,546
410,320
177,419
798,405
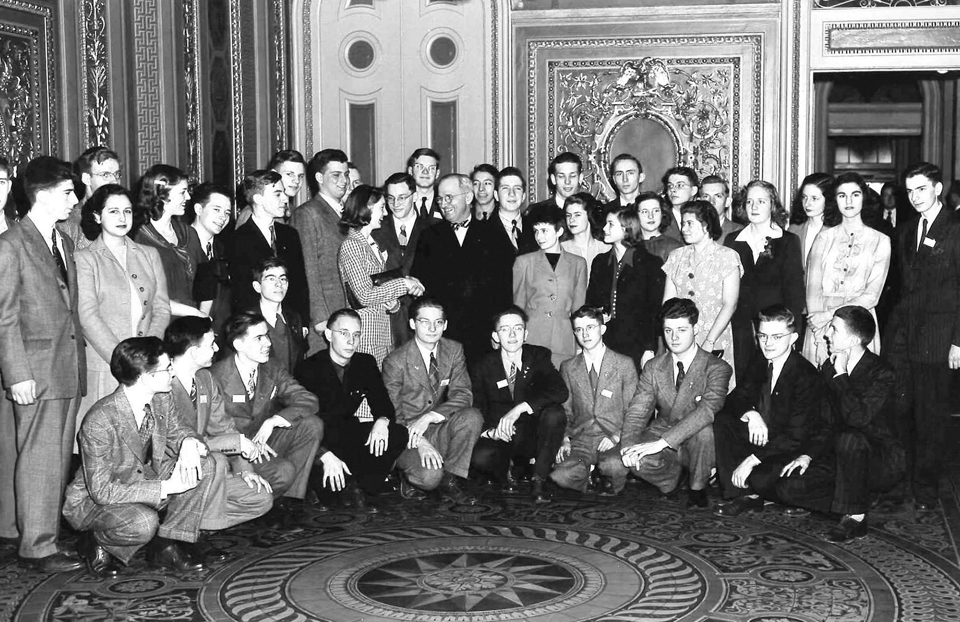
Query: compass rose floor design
x,y
633,558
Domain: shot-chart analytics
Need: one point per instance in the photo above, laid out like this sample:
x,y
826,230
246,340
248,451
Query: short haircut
x,y
351,165
630,221
422,151
286,155
489,169
778,212
5,166
202,194
94,205
267,263
858,321
511,171
778,313
184,333
356,212
341,313
401,178
239,324
567,157
704,212
825,183
153,190
715,179
255,183
318,165
426,302
548,214
135,357
666,211
680,308
94,155
620,158
686,171
44,173
930,171
511,310
463,182
586,311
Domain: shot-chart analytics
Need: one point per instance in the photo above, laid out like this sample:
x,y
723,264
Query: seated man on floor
x,y
602,384
270,407
428,384
685,388
767,418
138,459
520,394
361,438
238,494
855,452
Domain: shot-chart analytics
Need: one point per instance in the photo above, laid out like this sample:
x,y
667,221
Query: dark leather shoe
x,y
606,487
848,530
736,507
410,492
207,551
509,486
450,491
795,512
538,493
173,555
99,562
58,562
353,497
697,499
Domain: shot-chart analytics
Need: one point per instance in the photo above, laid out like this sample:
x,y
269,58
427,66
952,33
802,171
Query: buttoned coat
x,y
538,383
408,381
604,410
106,312
550,296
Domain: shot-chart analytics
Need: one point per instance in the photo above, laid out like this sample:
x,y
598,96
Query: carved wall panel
x,y
95,83
219,105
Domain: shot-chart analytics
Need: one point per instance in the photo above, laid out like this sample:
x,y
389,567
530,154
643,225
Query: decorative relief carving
x,y
19,93
872,4
218,91
495,82
913,37
95,84
236,56
280,69
149,104
308,77
192,76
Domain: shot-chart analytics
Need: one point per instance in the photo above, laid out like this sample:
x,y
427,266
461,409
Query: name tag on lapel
x,y
502,384
606,393
445,382
239,399
203,399
273,393
929,242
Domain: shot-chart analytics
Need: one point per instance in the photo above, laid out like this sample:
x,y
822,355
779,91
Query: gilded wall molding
x,y
308,76
149,101
280,69
236,72
95,83
191,65
891,37
875,4
495,83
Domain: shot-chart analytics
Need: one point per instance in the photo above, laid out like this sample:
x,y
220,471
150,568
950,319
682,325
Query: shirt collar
x,y
595,359
686,358
425,353
516,359
204,235
508,221
931,215
245,369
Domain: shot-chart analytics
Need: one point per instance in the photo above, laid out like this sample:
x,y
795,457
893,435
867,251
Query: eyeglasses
x,y
425,169
108,175
272,279
448,198
400,199
764,338
346,334
431,324
517,329
583,330
166,370
680,185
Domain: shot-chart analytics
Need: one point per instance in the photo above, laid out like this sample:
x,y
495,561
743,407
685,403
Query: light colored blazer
x,y
549,297
408,381
40,334
105,303
683,413
603,411
209,418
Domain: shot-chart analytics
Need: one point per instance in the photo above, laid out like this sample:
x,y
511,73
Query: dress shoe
x,y
538,494
354,498
207,551
848,530
450,491
58,562
736,507
606,487
795,512
99,562
697,499
9,544
509,486
671,495
410,492
926,506
172,555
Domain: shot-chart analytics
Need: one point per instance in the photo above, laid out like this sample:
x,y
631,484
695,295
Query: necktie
x,y
515,234
434,374
146,430
210,250
403,237
594,379
765,392
423,207
59,258
252,384
193,392
923,232
680,375
273,239
512,377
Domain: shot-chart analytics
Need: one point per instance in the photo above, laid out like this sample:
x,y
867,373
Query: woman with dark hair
x,y
847,266
370,291
813,209
708,274
655,218
626,282
162,196
772,268
580,210
122,287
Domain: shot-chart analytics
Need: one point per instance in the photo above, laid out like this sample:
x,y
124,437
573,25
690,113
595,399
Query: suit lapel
x,y
127,423
254,236
935,231
686,394
415,361
582,380
158,444
33,237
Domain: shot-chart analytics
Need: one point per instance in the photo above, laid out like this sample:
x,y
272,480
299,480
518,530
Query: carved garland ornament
x,y
96,83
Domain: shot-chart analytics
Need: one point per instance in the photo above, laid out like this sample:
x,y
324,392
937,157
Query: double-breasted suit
x,y
400,257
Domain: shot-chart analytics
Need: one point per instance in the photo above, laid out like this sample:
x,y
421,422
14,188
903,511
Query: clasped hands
x,y
633,455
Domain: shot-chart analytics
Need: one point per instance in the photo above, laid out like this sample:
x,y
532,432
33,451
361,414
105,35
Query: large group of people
x,y
178,360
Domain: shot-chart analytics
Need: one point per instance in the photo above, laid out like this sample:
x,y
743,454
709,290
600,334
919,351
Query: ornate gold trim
x,y
892,37
95,83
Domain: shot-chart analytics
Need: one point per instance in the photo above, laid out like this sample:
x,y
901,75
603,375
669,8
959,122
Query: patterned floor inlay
x,y
634,558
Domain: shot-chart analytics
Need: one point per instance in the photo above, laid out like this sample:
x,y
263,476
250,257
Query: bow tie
x,y
461,225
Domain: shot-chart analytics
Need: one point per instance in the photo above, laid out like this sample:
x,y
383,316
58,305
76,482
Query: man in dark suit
x,y
923,335
41,358
9,538
262,236
212,206
287,333
484,178
626,175
424,166
361,438
428,384
139,458
520,395
767,417
680,184
513,232
270,407
317,222
854,451
564,179
462,269
685,388
398,236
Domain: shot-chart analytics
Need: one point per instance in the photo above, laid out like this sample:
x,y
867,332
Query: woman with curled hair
x,y
122,287
626,282
708,274
772,268
656,215
161,199
848,265
369,290
812,210
580,211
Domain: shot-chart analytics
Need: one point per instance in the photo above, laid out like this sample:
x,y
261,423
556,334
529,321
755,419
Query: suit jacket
x,y
408,381
277,393
209,417
679,414
318,225
113,471
212,281
926,320
549,297
386,237
246,246
501,236
40,334
604,410
729,227
538,383
794,403
106,312
773,279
